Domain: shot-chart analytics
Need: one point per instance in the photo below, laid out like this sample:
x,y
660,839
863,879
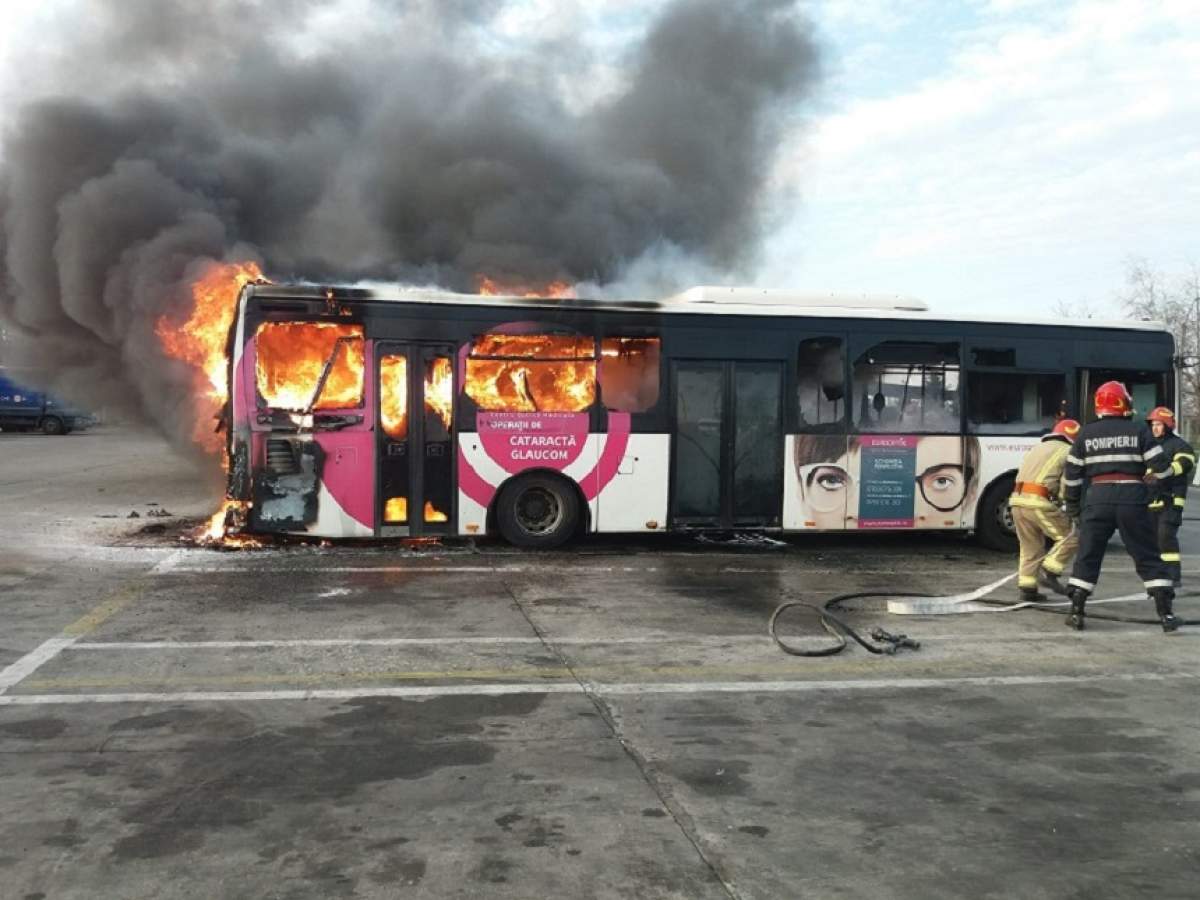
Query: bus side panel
x,y
636,497
997,456
484,465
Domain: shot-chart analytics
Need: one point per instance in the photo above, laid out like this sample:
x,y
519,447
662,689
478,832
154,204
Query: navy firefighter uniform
x,y
1169,496
1114,457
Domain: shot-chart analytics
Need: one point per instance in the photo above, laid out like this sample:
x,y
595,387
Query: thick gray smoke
x,y
368,139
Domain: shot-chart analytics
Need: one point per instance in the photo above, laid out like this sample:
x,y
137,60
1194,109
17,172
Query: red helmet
x,y
1068,428
1162,414
1113,400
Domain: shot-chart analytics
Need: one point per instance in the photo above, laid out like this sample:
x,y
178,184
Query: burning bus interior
x,y
335,403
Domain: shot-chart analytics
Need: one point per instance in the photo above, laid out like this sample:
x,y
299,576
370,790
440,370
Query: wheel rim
x,y
539,511
1004,518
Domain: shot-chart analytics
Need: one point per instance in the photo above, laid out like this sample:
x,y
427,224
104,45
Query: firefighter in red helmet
x,y
1168,496
1036,512
1111,456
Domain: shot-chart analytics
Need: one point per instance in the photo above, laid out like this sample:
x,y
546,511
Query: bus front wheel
x,y
53,425
994,525
539,512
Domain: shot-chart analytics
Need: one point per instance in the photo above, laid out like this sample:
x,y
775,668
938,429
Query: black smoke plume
x,y
382,140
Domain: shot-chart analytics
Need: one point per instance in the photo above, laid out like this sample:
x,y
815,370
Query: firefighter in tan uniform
x,y
1037,514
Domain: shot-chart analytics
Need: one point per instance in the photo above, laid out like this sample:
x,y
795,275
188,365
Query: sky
x,y
988,156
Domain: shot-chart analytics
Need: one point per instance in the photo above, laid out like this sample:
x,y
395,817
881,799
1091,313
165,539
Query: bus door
x,y
727,460
1149,389
415,478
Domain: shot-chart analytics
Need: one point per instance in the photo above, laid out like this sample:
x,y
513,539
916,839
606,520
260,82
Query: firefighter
x,y
1168,496
1037,515
1111,456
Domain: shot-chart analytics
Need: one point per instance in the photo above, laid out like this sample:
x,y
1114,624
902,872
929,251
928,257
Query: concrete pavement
x,y
607,721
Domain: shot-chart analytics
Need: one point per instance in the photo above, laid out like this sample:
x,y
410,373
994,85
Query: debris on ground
x,y
159,513
134,514
740,539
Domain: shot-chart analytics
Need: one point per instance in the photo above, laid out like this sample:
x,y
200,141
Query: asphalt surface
x,y
610,721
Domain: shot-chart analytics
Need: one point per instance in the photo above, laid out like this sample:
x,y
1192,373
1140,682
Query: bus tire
x,y
52,425
994,526
538,511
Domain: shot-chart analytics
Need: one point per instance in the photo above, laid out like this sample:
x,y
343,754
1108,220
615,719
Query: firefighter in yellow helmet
x,y
1168,496
1037,515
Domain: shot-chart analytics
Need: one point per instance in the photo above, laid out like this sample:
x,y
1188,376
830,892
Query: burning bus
x,y
355,413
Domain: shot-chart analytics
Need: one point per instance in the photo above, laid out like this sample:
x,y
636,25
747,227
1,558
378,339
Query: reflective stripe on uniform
x,y
1159,582
1177,467
1157,504
1048,525
1152,452
1054,463
1080,583
1074,460
1072,482
1186,456
1112,458
1172,557
1181,502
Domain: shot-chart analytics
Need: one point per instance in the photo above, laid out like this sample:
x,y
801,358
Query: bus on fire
x,y
355,413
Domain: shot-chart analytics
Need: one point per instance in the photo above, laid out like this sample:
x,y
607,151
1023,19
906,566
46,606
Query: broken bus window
x,y
291,356
532,372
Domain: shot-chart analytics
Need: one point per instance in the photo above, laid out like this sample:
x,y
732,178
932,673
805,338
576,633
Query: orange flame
x,y
542,373
491,287
396,509
201,341
215,532
292,355
439,392
393,397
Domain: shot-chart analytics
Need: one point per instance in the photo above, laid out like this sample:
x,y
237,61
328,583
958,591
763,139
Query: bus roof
x,y
705,300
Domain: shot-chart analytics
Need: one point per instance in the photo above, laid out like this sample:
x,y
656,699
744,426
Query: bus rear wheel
x,y
53,425
994,525
538,512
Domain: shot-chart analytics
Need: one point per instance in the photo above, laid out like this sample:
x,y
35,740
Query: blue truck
x,y
28,409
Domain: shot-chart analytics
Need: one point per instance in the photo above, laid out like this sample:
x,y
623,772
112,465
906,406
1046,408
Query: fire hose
x,y
886,643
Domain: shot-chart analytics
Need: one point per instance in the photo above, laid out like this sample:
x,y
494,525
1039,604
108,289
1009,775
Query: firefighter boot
x,y
1078,601
1049,579
1032,595
1164,598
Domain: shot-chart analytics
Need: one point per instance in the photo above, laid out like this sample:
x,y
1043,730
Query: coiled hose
x,y
887,643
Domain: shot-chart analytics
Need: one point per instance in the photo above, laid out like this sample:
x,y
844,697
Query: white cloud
x,y
1050,144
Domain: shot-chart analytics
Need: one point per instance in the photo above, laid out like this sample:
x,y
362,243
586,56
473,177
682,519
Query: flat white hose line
x,y
956,604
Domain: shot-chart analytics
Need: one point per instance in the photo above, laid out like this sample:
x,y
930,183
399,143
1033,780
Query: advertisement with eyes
x,y
884,481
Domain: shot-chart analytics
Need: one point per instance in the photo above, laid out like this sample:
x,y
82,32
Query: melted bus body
x,y
359,414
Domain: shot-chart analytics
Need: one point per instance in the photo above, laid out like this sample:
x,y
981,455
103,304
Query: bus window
x,y
1148,388
821,385
1008,403
629,373
291,356
532,372
907,387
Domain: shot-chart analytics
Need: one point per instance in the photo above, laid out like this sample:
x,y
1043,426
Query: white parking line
x,y
47,650
32,661
617,689
385,642
1014,637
